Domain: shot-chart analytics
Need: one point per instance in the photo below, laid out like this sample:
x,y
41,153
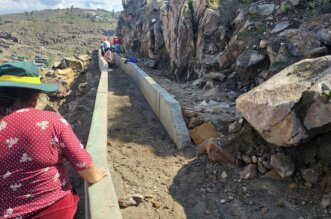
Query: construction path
x,y
142,156
144,161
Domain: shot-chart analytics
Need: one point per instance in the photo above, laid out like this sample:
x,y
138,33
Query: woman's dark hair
x,y
10,96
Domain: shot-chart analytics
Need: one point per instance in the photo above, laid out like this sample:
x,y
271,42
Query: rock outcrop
x,y
183,31
293,105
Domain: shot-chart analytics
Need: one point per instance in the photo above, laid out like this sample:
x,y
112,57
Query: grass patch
x,y
214,4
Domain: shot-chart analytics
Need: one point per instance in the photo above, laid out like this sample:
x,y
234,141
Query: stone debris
x,y
293,186
262,9
224,175
156,204
215,152
326,183
282,164
130,200
272,174
311,175
67,75
269,112
249,172
150,63
72,62
215,76
325,203
280,26
83,88
203,133
249,58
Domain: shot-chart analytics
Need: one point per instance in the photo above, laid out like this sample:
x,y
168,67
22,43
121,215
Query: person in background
x,y
34,145
117,44
105,45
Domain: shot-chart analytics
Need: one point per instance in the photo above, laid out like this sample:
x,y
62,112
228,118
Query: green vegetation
x,y
214,4
194,53
255,30
319,6
163,49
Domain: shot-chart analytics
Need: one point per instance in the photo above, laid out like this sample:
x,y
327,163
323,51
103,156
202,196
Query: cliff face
x,y
196,37
183,31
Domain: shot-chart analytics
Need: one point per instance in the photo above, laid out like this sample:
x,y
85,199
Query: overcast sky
x,y
16,6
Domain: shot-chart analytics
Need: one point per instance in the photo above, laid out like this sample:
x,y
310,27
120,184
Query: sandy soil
x,y
143,158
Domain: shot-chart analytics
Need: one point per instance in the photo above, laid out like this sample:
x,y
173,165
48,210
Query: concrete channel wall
x,y
167,109
100,198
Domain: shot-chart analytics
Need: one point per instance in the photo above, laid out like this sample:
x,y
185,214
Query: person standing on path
x,y
34,145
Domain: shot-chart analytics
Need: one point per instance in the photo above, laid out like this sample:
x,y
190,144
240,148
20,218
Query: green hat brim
x,y
51,87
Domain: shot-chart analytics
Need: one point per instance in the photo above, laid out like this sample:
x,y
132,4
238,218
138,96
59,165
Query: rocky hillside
x,y
251,37
264,67
53,33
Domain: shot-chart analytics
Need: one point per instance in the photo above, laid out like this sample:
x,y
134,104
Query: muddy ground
x,y
145,161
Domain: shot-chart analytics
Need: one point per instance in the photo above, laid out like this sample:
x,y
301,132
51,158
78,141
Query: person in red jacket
x,y
34,145
117,44
116,40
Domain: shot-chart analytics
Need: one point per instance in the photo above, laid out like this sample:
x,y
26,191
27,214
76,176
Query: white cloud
x,y
13,6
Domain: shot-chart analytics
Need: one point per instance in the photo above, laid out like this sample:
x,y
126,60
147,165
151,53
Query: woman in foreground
x,y
34,145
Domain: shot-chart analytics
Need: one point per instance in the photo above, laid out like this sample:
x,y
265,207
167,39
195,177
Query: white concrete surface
x,y
100,198
165,106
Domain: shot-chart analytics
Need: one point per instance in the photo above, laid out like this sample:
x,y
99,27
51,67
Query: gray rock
x,y
262,9
210,60
249,172
239,20
280,26
84,88
283,164
263,44
249,58
317,52
246,159
231,95
150,63
215,76
261,168
321,26
311,175
199,82
300,41
325,203
284,8
294,2
234,127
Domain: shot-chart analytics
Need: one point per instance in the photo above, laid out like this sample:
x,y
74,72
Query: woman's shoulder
x,y
43,114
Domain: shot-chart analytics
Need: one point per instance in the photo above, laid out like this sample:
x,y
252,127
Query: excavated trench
x,y
174,184
167,183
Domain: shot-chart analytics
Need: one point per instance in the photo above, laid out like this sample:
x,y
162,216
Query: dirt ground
x,y
145,161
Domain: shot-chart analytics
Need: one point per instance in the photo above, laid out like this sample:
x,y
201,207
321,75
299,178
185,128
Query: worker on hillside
x,y
117,44
34,145
105,45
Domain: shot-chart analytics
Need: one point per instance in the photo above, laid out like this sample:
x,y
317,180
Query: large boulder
x,y
300,41
293,105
